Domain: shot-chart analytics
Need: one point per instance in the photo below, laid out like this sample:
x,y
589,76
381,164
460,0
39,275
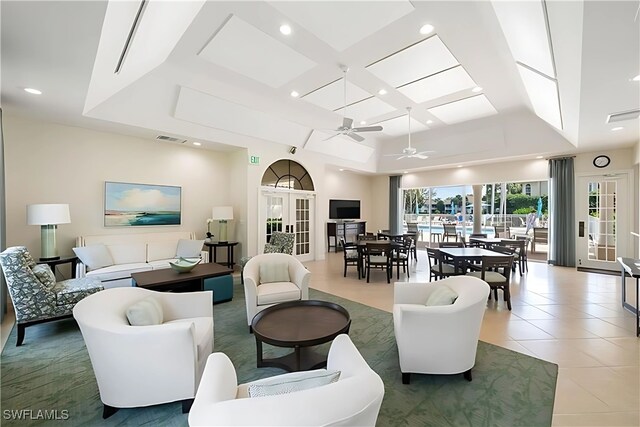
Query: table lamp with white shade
x,y
47,216
222,214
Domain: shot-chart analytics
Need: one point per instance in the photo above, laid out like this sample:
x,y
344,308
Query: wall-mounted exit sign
x,y
254,160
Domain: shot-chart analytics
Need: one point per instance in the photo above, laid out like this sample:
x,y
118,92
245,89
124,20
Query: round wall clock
x,y
601,161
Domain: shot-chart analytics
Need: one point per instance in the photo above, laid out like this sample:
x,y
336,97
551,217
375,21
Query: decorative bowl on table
x,y
183,265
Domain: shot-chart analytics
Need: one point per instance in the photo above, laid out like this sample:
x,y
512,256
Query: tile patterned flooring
x,y
570,318
561,315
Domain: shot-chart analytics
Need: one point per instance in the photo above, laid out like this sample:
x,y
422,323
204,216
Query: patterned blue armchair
x,y
280,242
35,294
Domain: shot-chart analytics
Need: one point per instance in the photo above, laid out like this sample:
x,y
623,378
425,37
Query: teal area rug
x,y
49,380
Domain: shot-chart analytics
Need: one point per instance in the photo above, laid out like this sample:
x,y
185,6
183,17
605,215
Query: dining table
x,y
362,243
463,256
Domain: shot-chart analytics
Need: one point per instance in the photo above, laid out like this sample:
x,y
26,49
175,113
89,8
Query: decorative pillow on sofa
x,y
44,275
145,312
291,383
94,256
274,272
189,248
442,295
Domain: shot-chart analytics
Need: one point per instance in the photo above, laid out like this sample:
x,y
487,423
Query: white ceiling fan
x,y
410,152
346,129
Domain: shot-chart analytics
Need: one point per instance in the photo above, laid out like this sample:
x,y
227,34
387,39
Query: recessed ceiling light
x,y
363,122
285,29
539,157
617,128
382,92
405,172
459,166
476,89
295,94
429,122
197,143
426,29
341,170
32,91
636,78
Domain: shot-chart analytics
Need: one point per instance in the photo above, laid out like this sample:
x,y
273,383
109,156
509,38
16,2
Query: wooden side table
x,y
213,249
73,260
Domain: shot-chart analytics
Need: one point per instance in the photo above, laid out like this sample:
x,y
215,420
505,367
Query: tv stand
x,y
347,229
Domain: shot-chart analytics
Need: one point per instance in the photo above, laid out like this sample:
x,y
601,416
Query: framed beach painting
x,y
134,205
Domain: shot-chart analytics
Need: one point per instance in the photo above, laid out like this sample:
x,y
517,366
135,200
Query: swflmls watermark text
x,y
35,414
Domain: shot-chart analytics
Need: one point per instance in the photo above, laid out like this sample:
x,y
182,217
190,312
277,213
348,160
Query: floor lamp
x,y
47,216
222,214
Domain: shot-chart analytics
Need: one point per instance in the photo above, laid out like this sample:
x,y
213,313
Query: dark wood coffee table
x,y
299,325
167,279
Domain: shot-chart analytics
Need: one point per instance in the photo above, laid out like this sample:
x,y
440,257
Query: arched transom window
x,y
287,174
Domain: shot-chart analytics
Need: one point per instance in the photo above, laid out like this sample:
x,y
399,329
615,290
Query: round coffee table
x,y
299,325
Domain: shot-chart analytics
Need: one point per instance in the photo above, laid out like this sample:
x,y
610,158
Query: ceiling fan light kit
x,y
410,152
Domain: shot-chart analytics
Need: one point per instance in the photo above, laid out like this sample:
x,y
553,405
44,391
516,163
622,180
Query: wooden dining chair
x,y
438,269
350,252
378,255
401,255
414,244
519,249
490,273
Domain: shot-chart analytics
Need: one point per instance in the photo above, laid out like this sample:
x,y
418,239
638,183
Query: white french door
x,y
602,207
291,212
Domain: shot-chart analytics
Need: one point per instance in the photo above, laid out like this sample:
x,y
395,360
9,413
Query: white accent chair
x,y
439,339
262,295
146,365
354,400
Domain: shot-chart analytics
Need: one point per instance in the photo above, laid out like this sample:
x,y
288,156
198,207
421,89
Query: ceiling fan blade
x,y
425,152
332,136
347,122
355,137
402,157
394,155
420,156
368,129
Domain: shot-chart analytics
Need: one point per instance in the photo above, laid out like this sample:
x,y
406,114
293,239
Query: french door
x,y
291,212
602,206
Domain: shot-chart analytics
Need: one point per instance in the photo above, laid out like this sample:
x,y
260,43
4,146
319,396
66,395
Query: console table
x,y
348,230
213,248
631,268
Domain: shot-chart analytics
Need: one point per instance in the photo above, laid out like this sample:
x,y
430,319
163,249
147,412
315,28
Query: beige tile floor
x,y
561,315
567,317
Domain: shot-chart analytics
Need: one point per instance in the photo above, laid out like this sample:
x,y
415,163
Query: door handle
x,y
581,229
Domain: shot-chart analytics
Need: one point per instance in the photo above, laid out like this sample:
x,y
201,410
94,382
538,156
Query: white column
x,y
477,209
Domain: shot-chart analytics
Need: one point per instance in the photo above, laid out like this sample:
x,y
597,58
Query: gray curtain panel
x,y
562,212
3,224
395,216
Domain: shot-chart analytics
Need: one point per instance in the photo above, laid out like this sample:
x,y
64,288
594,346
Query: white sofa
x,y
440,339
133,253
146,365
260,295
354,400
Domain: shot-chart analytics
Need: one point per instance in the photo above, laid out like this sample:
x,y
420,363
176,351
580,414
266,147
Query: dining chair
x,y
450,231
350,253
367,236
378,255
519,247
401,256
451,245
524,254
439,269
414,245
490,273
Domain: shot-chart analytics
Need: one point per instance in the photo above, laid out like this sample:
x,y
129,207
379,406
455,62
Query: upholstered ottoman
x,y
221,286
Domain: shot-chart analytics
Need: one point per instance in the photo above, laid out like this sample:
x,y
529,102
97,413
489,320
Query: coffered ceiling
x,y
224,73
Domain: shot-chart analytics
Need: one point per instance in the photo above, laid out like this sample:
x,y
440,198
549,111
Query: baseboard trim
x,y
598,271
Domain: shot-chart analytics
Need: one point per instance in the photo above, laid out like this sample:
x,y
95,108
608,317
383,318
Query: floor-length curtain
x,y
3,223
562,212
395,224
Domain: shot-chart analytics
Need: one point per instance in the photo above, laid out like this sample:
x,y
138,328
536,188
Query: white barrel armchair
x,y
440,339
354,400
271,279
146,365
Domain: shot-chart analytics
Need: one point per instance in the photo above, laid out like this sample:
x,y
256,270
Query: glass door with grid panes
x,y
291,212
603,220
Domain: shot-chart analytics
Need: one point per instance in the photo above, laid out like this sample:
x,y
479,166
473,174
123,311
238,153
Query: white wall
x,y
50,163
349,185
380,214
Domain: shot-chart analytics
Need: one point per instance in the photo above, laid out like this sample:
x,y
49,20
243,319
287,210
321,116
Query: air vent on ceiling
x,y
625,115
170,139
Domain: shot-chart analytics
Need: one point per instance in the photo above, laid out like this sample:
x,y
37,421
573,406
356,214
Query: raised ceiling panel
x,y
341,24
441,84
415,62
543,93
244,49
367,109
331,96
400,126
345,147
463,110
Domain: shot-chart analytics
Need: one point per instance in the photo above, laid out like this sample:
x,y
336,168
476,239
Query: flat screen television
x,y
344,209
